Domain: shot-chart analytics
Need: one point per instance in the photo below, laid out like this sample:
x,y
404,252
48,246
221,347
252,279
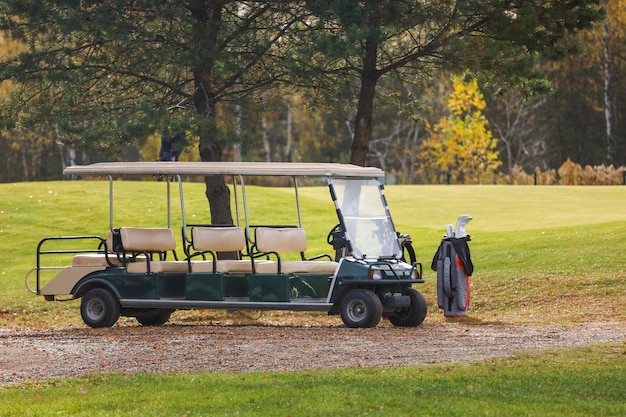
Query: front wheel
x,y
413,315
99,308
361,308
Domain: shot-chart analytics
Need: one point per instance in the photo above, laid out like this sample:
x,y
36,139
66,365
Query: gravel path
x,y
37,354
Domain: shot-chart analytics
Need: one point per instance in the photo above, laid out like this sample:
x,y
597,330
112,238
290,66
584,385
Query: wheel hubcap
x,y
356,310
95,309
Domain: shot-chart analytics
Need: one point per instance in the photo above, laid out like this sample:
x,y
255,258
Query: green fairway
x,y
511,208
542,255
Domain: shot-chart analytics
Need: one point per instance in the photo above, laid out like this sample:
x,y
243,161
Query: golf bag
x,y
454,267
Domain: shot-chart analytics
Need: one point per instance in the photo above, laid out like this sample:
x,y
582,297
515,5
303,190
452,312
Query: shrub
x,y
520,177
602,175
570,173
545,178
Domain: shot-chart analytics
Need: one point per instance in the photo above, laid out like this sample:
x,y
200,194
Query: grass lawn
x,y
542,255
579,382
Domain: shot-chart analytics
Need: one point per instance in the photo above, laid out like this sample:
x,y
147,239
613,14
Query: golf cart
x,y
149,272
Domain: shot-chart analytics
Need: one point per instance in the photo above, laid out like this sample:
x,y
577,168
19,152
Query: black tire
x,y
361,308
99,308
155,317
411,316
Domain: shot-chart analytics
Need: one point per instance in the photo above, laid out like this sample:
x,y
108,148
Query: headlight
x,y
376,274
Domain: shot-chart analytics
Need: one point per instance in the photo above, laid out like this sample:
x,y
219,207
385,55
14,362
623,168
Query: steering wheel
x,y
337,240
331,235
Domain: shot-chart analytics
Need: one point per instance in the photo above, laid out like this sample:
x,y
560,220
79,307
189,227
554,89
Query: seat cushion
x,y
218,239
278,239
93,259
293,267
143,239
141,266
224,266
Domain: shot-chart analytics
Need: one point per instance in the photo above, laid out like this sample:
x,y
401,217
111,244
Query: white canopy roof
x,y
225,168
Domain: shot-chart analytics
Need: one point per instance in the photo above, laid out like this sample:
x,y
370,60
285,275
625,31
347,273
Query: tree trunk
x,y
608,102
208,19
217,191
365,109
287,153
267,146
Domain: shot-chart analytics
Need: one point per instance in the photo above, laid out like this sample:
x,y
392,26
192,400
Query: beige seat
x,y
146,241
94,259
97,259
141,266
219,239
273,240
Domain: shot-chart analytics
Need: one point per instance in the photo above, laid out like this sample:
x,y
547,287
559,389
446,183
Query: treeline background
x,y
555,136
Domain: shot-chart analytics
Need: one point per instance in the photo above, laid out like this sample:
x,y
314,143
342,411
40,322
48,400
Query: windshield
x,y
366,218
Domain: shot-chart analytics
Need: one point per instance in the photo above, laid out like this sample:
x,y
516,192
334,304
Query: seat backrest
x,y
280,239
218,239
110,247
142,239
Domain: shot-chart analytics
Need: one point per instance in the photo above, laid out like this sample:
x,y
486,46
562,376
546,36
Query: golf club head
x,y
461,222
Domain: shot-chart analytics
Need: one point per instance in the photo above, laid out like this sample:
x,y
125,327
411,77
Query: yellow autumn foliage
x,y
460,147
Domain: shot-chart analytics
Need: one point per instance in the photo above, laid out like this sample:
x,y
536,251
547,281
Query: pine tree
x,y
360,42
105,74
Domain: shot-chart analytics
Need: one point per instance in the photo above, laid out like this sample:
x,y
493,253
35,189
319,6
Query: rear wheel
x,y
361,308
154,317
411,316
99,308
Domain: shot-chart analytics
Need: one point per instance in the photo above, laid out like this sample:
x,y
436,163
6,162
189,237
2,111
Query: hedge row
x,y
570,173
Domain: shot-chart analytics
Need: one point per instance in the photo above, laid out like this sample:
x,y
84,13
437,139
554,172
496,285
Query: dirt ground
x,y
37,354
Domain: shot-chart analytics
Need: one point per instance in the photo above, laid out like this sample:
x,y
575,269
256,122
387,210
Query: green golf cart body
x,y
143,272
